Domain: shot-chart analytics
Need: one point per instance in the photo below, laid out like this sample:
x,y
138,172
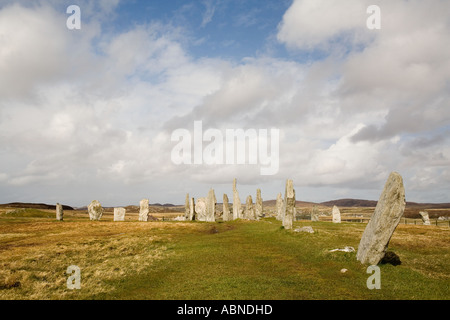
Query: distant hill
x,y
34,206
350,203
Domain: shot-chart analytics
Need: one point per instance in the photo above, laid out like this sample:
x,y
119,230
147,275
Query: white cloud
x,y
93,111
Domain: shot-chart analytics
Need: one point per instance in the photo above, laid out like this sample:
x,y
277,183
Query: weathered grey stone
x,y
119,214
237,207
211,206
226,209
192,209
289,200
144,210
425,218
336,215
315,214
280,207
95,210
200,209
186,207
382,224
307,229
59,212
249,213
258,205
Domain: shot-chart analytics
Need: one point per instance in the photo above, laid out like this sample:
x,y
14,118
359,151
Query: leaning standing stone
x,y
143,210
290,205
382,224
119,214
336,215
95,210
425,218
226,210
59,212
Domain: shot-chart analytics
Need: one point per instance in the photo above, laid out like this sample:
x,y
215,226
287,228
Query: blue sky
x,y
89,114
228,29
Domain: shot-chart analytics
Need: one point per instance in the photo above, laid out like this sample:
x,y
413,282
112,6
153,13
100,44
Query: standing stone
x,y
59,212
200,209
258,205
336,215
237,209
186,208
280,207
144,210
315,214
425,218
211,207
382,224
119,214
289,214
226,210
249,210
191,210
95,211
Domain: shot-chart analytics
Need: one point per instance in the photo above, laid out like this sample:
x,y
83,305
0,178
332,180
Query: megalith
x,y
336,215
211,206
200,209
249,213
144,210
384,221
59,212
95,210
226,209
119,214
258,205
280,207
237,207
425,218
289,197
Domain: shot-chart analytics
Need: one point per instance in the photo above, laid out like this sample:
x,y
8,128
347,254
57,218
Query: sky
x,y
90,113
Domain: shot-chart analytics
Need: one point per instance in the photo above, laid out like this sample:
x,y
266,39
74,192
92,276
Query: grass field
x,y
194,260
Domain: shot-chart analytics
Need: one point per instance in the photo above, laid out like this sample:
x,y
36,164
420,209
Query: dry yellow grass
x,y
34,255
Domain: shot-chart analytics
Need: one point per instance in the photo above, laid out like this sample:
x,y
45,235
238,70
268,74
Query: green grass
x,y
262,261
232,260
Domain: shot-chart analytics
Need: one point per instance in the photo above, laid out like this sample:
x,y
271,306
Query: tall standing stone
x,y
315,214
382,224
186,208
425,218
249,212
258,205
59,212
95,211
200,209
289,214
226,209
211,206
144,210
119,214
280,207
191,210
336,215
237,208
